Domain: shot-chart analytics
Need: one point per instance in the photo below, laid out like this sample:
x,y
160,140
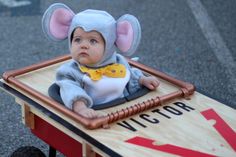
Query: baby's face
x,y
87,48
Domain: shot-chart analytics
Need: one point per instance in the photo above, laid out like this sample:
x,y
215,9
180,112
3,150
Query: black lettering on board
x,y
172,110
183,106
127,126
147,118
158,111
141,124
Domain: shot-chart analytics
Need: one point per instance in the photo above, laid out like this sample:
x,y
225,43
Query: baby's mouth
x,y
83,54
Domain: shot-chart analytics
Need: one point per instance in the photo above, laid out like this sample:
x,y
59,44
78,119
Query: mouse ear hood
x,y
128,32
56,21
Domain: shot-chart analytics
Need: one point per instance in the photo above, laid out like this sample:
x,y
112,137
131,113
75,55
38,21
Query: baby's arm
x,y
150,82
138,78
81,108
75,98
71,91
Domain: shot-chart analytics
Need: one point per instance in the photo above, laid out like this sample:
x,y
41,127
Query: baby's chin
x,y
85,62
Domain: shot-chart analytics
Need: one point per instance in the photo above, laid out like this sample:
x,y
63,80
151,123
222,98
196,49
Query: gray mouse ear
x,y
56,21
128,32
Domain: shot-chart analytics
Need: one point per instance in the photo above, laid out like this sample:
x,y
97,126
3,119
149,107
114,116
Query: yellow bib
x,y
114,70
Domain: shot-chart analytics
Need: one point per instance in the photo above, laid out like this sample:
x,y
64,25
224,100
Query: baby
x,y
96,74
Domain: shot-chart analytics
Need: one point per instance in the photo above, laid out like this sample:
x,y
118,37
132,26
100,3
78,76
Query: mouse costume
x,y
111,77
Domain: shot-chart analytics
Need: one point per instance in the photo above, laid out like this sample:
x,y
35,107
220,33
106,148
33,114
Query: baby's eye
x,y
77,40
93,41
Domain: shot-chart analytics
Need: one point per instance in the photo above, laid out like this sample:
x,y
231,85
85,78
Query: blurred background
x,y
192,40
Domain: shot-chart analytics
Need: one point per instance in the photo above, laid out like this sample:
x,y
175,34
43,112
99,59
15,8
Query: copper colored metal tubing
x,y
185,90
13,73
129,111
154,102
189,87
88,123
135,108
111,117
122,113
171,96
116,116
139,107
158,101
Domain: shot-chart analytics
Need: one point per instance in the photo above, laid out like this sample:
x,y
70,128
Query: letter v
x,y
168,148
127,126
222,127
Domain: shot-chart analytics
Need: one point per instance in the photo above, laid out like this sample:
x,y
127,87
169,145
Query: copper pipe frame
x,y
185,91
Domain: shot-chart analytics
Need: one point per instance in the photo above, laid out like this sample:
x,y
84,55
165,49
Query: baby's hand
x,y
88,113
80,108
150,82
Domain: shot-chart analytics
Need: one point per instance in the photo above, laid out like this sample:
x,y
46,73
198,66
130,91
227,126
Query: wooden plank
x,y
27,116
198,126
88,150
177,123
181,123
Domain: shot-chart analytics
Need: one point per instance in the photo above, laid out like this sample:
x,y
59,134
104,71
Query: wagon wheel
x,y
28,151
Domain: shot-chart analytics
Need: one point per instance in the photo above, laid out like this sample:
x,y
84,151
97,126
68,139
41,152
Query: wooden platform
x,y
198,126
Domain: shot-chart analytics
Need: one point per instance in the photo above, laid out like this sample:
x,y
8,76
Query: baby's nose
x,y
84,45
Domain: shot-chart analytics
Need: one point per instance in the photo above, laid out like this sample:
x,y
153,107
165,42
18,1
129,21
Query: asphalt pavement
x,y
192,40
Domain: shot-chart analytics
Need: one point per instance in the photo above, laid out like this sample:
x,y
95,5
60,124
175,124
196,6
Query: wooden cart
x,y
174,120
